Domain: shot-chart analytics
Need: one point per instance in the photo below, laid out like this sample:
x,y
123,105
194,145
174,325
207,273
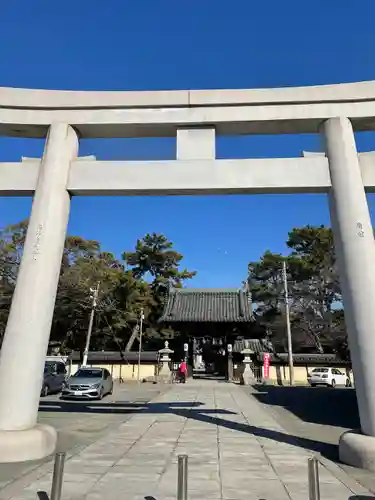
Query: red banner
x,y
266,365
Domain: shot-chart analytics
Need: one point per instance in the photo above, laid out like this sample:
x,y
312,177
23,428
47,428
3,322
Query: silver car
x,y
88,383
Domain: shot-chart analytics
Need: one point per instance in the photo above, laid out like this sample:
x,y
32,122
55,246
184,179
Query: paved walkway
x,y
76,429
236,451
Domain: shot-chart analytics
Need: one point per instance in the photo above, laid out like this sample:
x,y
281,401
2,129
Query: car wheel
x,y
45,391
101,394
111,391
333,383
348,383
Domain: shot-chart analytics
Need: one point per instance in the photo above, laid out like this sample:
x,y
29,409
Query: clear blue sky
x,y
166,44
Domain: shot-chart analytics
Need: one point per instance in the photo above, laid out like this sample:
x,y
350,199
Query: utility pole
x,y
133,336
142,317
288,330
94,296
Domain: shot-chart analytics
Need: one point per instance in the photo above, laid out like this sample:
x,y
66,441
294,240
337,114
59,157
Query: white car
x,y
328,376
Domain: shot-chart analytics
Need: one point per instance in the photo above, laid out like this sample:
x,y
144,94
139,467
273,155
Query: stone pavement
x,y
76,429
236,450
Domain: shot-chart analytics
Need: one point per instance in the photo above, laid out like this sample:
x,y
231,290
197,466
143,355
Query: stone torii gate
x,y
194,117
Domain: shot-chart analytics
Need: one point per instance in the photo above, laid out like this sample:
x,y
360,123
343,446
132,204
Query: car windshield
x,y
320,370
89,373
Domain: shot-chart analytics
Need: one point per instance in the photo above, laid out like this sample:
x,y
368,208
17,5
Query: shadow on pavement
x,y
122,407
361,497
192,411
327,450
320,405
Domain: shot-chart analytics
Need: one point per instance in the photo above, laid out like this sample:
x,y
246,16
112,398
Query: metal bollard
x,y
182,477
313,477
57,478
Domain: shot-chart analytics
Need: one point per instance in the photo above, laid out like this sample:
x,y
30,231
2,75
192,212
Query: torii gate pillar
x,y
27,333
355,253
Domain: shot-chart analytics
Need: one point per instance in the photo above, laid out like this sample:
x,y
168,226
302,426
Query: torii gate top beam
x,y
28,113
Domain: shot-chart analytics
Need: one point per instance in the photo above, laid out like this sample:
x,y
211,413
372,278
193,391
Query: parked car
x,y
88,383
328,376
53,378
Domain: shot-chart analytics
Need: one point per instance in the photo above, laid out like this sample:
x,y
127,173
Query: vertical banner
x,y
266,365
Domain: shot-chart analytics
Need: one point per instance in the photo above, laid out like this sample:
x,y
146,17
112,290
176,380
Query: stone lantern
x,y
165,374
247,377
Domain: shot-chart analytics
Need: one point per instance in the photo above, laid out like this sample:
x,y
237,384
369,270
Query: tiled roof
x,y
318,359
116,357
256,345
216,305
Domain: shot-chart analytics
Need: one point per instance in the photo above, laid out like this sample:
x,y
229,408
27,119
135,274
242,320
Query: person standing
x,y
183,371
